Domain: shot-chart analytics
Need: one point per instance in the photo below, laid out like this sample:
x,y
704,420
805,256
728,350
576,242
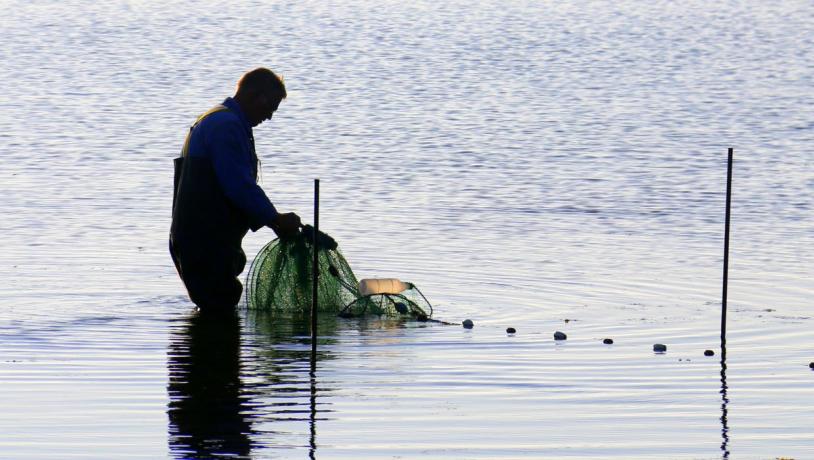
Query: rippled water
x,y
524,163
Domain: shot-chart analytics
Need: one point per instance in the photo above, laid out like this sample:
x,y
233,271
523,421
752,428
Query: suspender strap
x,y
217,108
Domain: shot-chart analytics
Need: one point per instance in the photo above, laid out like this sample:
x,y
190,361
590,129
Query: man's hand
x,y
286,225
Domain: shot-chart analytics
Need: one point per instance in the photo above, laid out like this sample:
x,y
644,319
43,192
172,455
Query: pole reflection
x,y
312,444
285,371
724,404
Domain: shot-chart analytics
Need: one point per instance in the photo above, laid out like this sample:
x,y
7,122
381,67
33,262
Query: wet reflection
x,y
207,410
240,383
724,403
286,375
312,445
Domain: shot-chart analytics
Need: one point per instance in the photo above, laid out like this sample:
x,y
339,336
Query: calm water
x,y
524,163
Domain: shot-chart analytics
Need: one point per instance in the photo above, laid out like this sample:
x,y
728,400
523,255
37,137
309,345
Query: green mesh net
x,y
408,303
280,280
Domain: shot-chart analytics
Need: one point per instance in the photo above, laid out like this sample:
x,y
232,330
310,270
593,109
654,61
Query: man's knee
x,y
211,283
216,295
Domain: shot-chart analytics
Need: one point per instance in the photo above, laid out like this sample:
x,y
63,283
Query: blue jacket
x,y
226,138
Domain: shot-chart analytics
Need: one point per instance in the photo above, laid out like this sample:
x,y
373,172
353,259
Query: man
x,y
216,198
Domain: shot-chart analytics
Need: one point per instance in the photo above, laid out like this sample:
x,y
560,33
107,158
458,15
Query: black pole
x,y
315,272
726,251
314,308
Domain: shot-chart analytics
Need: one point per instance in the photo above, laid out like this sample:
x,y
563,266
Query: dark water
x,y
523,163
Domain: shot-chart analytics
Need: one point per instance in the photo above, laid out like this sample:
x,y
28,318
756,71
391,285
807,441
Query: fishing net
x,y
280,280
404,300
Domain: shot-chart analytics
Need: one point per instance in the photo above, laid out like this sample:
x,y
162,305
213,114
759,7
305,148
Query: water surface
x,y
524,163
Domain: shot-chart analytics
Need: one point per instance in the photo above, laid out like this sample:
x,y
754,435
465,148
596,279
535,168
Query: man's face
x,y
266,105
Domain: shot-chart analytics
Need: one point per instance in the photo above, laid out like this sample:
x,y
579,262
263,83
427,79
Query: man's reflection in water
x,y
231,394
206,408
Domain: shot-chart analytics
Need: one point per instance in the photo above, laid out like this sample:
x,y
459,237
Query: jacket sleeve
x,y
232,161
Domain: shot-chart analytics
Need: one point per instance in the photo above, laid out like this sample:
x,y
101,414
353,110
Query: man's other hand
x,y
286,225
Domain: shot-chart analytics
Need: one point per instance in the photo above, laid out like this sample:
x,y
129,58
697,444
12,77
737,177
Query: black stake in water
x,y
315,272
724,386
726,253
314,305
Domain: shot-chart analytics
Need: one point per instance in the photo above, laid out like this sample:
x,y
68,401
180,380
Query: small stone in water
x,y
709,353
608,341
660,348
468,324
811,365
510,330
560,336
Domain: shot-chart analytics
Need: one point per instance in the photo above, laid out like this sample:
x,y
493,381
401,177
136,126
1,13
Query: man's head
x,y
259,93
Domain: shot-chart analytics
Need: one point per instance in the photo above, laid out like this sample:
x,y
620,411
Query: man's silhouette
x,y
216,199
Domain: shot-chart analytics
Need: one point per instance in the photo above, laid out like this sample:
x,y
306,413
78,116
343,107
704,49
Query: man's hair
x,y
262,79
